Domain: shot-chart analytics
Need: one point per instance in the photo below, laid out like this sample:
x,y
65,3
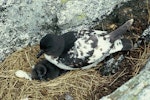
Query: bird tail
x,y
121,45
116,34
127,44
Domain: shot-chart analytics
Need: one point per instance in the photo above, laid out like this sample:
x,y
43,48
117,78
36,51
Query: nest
x,y
78,85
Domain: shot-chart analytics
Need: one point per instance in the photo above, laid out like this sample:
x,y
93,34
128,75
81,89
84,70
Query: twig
x,y
28,59
130,58
148,9
121,74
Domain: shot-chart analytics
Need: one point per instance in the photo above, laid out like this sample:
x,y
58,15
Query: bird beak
x,y
39,54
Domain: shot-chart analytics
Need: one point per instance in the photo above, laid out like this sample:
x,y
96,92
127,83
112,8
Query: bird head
x,y
51,44
39,72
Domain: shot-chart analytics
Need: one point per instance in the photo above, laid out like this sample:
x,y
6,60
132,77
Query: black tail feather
x,y
116,34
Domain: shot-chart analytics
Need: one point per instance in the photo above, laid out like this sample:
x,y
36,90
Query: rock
x,y
68,97
137,88
24,22
75,14
145,37
111,66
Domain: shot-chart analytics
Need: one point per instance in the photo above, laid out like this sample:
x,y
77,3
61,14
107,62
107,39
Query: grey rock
x,y
68,97
76,14
23,23
111,66
145,37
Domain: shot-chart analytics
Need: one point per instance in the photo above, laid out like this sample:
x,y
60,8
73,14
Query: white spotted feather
x,y
92,46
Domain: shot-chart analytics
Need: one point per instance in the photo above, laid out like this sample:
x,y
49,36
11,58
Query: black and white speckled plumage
x,y
89,48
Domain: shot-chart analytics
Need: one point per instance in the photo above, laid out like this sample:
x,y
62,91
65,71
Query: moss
x,y
64,1
81,16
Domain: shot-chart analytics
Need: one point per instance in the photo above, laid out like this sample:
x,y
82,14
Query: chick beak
x,y
40,53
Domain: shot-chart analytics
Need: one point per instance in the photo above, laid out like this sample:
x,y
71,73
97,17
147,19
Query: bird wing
x,y
87,49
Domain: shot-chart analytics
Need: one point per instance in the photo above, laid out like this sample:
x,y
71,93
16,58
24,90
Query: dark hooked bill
x,y
40,53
